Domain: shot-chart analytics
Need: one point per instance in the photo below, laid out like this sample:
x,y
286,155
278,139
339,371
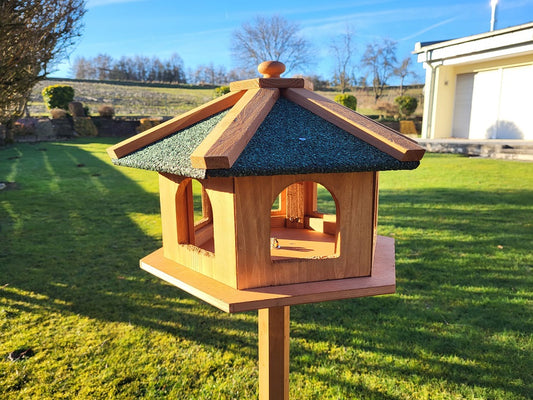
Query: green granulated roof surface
x,y
291,140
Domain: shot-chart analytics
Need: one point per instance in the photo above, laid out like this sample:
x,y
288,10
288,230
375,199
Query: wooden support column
x,y
274,353
295,205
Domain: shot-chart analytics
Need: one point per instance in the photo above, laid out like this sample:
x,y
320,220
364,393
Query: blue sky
x,y
200,30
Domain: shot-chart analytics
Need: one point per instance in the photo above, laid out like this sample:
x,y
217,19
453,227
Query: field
x,y
95,326
143,100
128,100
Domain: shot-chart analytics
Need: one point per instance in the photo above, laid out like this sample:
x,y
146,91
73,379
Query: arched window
x,y
194,215
303,223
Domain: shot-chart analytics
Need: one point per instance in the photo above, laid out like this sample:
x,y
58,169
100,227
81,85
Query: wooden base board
x,y
382,281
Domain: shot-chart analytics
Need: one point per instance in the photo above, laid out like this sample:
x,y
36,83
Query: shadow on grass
x,y
462,312
461,316
68,239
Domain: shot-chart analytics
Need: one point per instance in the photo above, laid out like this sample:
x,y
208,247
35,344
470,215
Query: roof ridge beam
x,y
173,125
221,148
380,136
271,83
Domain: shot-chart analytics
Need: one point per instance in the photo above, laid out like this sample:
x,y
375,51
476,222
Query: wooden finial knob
x,y
271,69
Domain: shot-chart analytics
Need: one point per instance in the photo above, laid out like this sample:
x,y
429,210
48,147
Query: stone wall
x,y
39,129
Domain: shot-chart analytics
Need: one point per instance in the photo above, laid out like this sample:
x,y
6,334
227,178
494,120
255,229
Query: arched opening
x,y
303,223
194,216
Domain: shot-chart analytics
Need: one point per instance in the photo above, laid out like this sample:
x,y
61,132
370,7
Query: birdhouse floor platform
x,y
228,299
302,243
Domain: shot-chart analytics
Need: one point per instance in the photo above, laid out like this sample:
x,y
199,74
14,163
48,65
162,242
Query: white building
x,y
479,87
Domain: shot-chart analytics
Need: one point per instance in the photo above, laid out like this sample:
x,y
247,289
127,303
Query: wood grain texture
x,y
222,147
273,336
271,83
173,125
172,230
222,198
380,136
207,248
228,299
302,243
295,205
354,199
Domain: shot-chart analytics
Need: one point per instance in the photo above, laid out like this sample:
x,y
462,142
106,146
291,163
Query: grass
x,y
73,228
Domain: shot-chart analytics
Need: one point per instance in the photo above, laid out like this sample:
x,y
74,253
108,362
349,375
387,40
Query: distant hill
x,y
129,99
160,100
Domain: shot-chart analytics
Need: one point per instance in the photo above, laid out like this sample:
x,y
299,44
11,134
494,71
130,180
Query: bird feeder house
x,y
258,158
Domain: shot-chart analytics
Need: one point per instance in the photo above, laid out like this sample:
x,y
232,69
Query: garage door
x,y
494,104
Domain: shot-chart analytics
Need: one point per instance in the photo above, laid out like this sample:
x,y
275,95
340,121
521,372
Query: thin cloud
x,y
429,28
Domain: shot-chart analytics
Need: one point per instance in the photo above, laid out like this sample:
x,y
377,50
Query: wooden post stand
x,y
274,303
274,353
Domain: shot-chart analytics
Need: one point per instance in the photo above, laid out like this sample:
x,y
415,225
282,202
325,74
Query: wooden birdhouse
x,y
254,236
260,155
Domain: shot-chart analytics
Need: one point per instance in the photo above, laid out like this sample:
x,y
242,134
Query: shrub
x,y
58,96
148,123
347,100
386,109
84,126
406,104
106,111
76,109
221,90
58,113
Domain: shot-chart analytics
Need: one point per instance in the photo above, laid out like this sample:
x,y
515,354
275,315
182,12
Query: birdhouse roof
x,y
268,126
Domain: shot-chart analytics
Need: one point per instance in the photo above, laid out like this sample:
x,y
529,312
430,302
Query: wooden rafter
x,y
380,136
222,147
271,83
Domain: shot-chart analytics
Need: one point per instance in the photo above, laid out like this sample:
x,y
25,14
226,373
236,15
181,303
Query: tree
x,y
406,105
403,71
103,64
343,50
380,59
175,69
34,35
83,68
270,39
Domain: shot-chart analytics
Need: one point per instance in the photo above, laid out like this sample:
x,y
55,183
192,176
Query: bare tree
x,y
238,74
403,71
34,35
380,59
270,38
210,74
83,68
103,64
343,50
176,71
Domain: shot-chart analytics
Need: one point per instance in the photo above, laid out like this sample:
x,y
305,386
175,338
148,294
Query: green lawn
x,y
73,227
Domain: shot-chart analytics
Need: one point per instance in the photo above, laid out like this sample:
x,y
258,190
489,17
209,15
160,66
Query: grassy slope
x,y
127,99
72,231
143,100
